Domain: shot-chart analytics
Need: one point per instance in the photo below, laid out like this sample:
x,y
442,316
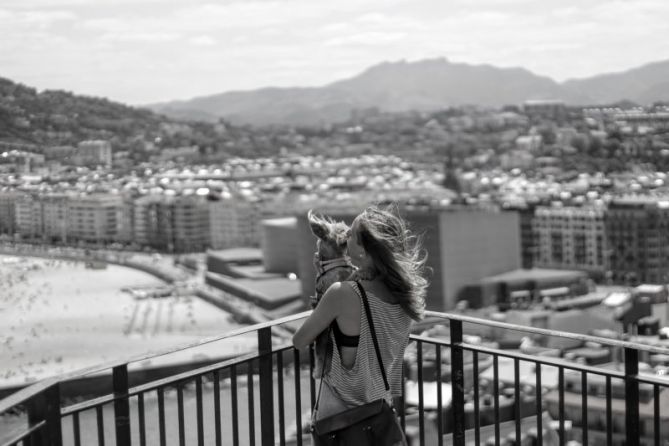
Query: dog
x,y
332,265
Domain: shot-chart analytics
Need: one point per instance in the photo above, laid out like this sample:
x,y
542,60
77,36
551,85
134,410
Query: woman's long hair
x,y
397,256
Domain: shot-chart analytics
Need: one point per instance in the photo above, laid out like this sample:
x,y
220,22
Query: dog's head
x,y
332,236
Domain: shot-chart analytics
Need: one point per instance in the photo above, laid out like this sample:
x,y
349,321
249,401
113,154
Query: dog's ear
x,y
341,233
318,226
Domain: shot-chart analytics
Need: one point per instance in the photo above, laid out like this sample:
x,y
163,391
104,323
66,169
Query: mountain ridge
x,y
426,84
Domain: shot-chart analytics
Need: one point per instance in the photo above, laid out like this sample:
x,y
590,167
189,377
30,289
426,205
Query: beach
x,y
58,316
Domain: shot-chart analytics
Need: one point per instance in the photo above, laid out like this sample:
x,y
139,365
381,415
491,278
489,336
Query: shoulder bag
x,y
370,424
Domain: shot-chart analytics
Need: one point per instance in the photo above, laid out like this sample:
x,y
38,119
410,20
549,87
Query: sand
x,y
58,316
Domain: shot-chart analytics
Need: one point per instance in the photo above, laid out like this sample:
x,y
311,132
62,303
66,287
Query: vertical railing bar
x,y
279,382
538,393
180,414
54,430
440,411
142,420
584,408
217,408
477,409
312,380
421,408
561,403
234,403
251,403
266,386
161,416
121,404
495,379
101,425
298,396
403,414
457,383
516,391
45,407
199,410
632,431
609,412
656,414
76,429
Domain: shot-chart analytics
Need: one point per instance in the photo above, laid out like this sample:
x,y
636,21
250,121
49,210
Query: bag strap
x,y
320,385
370,322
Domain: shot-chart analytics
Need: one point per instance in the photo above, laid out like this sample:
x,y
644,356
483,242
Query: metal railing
x,y
264,396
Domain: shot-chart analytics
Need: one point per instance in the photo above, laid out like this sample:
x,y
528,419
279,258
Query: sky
x,y
147,51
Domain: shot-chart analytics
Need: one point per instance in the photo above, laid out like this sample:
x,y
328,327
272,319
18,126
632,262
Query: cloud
x,y
140,37
371,38
32,18
202,40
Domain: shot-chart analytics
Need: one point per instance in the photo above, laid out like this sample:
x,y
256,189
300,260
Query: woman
x,y
390,268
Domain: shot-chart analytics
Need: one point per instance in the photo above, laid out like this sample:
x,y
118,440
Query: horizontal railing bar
x,y
546,360
153,385
653,380
21,436
90,404
26,393
546,332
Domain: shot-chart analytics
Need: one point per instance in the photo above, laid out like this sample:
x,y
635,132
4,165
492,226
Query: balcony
x,y
457,391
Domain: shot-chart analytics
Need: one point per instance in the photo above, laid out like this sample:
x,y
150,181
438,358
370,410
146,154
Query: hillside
x,y
62,118
423,85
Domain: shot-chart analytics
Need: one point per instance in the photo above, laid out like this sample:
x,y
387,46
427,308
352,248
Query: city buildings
x,y
571,238
637,229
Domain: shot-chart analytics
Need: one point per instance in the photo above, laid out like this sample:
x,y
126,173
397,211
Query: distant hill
x,y
423,85
642,85
54,117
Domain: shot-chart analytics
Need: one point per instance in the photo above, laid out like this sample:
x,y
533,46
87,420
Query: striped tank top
x,y
363,383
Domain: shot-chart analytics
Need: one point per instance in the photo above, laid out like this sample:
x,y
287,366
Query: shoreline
x,y
58,319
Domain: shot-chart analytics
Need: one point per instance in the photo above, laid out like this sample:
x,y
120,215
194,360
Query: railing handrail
x,y
28,392
547,332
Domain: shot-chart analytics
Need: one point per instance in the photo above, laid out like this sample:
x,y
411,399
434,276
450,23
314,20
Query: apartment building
x,y
190,219
8,201
28,215
638,236
234,222
152,215
93,153
101,218
571,238
171,223
54,209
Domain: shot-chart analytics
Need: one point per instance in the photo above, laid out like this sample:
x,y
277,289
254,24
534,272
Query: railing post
x,y
45,406
266,386
121,404
457,383
631,397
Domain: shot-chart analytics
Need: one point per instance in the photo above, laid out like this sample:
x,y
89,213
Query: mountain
x,y
423,85
643,85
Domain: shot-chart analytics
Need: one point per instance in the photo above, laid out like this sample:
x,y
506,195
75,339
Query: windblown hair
x,y
397,256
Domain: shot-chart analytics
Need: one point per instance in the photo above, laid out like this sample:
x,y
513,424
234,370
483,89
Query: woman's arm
x,y
321,318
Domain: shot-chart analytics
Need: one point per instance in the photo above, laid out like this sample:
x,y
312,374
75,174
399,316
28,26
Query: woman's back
x,y
363,382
